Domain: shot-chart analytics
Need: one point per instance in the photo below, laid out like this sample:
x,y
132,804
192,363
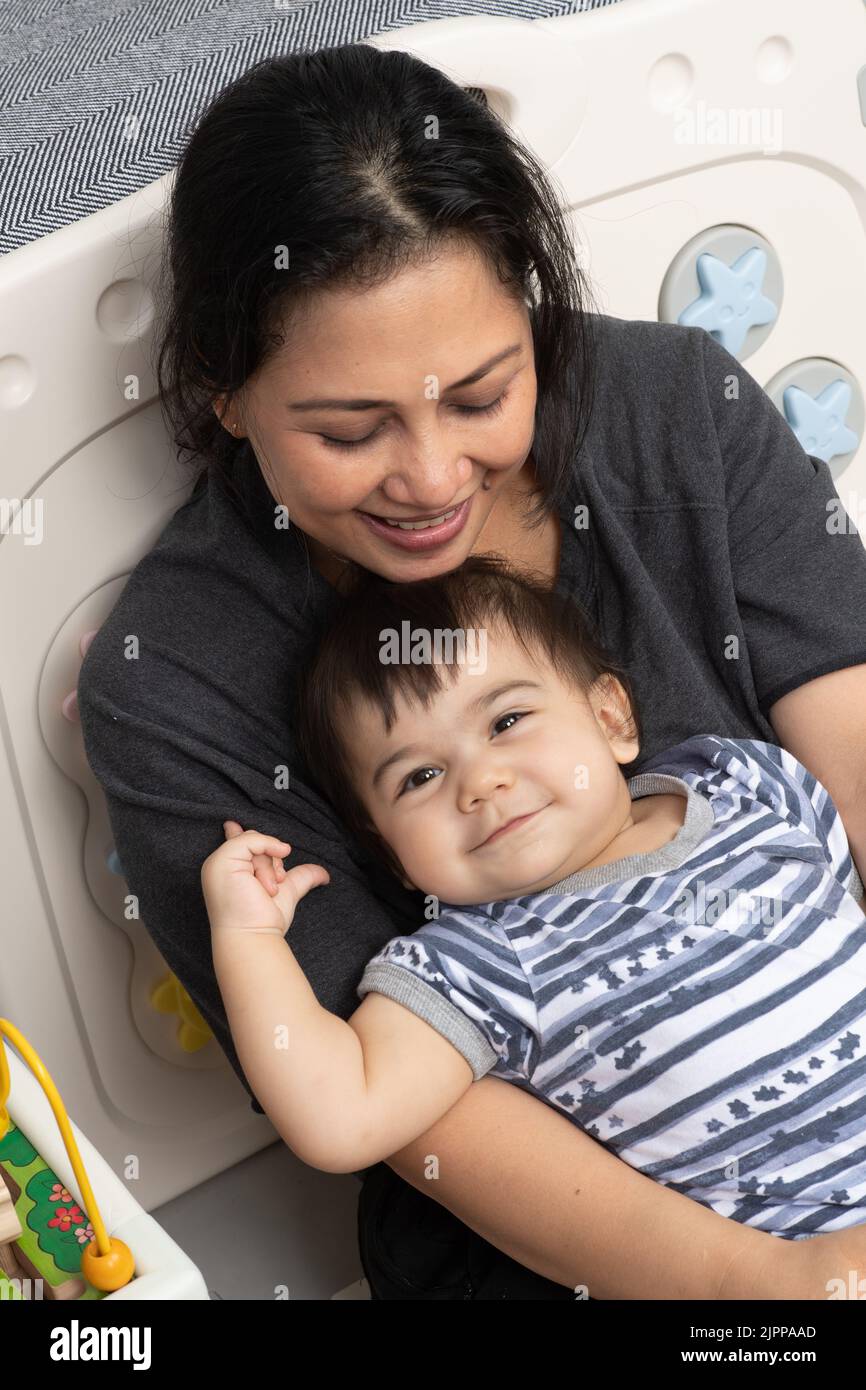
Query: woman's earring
x,y
486,485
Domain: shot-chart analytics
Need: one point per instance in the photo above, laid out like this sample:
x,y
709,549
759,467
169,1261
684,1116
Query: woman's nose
x,y
426,482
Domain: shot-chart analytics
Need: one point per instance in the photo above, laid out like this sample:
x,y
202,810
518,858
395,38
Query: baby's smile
x,y
510,826
507,783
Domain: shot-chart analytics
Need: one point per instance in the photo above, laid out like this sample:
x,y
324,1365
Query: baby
x,y
675,960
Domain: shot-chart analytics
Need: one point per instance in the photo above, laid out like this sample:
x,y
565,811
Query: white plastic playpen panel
x,y
713,153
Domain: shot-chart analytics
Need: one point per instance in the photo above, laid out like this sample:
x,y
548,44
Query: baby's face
x,y
538,747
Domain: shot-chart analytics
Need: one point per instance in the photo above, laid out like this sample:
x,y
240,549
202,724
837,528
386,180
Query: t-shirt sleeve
x,y
800,580
174,760
779,780
479,999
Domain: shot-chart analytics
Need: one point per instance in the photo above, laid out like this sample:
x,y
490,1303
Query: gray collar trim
x,y
699,820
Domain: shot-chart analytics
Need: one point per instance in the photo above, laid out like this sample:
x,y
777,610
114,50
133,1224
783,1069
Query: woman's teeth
x,y
420,525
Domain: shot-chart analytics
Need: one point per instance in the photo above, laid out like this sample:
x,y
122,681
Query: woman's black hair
x,y
346,664
347,165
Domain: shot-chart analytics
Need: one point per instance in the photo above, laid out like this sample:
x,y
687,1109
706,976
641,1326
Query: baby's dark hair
x,y
483,592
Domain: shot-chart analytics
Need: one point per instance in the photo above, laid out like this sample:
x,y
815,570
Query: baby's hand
x,y
246,887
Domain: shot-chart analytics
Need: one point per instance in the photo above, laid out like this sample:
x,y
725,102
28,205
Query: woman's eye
x,y
348,443
490,409
407,784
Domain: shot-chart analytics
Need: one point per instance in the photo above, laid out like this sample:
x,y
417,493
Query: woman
x,y
372,315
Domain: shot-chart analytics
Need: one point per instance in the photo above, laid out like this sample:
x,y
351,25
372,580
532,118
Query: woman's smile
x,y
427,537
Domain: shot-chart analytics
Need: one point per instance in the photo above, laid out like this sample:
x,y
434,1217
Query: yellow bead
x,y
111,1271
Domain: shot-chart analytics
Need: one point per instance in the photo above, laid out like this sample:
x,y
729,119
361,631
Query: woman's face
x,y
361,412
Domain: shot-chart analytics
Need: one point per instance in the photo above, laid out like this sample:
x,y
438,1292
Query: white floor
x,y
268,1224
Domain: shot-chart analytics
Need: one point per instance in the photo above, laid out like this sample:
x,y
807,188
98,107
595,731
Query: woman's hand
x,y
246,887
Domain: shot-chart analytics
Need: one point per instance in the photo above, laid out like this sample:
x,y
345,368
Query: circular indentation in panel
x,y
669,81
728,280
16,381
824,405
124,310
774,60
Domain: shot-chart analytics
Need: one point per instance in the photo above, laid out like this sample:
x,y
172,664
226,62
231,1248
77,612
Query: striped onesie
x,y
699,1009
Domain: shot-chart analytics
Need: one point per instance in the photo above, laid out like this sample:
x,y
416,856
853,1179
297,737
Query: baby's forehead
x,y
459,685
383,719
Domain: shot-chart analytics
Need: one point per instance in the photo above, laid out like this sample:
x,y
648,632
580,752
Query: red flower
x,y
65,1217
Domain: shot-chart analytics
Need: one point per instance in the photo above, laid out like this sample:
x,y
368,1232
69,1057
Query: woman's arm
x,y
823,724
525,1178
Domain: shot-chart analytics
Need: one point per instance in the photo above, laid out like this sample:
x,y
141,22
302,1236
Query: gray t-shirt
x,y
707,521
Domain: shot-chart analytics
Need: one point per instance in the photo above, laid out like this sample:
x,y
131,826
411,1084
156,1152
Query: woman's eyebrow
x,y
328,404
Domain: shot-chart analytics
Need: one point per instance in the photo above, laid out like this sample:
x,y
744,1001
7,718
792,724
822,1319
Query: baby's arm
x,y
342,1095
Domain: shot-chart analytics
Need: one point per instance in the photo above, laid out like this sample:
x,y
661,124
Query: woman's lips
x,y
426,539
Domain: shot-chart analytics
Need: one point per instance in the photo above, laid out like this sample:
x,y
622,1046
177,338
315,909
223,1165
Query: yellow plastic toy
x,y
170,997
107,1263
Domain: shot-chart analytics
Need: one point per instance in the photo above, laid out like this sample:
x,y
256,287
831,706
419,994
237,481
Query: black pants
x,y
411,1247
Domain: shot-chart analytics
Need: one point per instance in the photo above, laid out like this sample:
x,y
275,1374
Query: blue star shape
x,y
779,1188
819,421
767,1093
739,1109
608,977
847,1046
629,1055
731,301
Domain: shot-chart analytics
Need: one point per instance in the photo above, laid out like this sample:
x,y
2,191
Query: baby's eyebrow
x,y
488,697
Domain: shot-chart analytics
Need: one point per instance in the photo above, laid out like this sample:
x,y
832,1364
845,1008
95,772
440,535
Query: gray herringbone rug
x,y
97,97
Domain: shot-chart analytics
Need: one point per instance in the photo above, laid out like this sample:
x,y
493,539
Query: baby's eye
x,y
512,714
408,786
